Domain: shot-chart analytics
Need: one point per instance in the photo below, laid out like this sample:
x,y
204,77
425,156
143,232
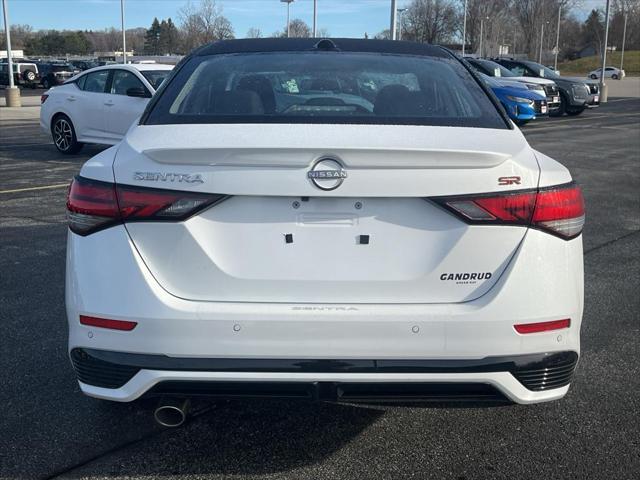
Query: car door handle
x,y
71,99
109,103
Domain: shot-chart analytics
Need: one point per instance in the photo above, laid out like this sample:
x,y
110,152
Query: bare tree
x,y
297,28
20,34
254,32
429,21
203,23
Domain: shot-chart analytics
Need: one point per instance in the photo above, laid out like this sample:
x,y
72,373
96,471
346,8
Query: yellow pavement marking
x,y
29,189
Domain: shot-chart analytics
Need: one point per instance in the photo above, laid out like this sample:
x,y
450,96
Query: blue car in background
x,y
522,105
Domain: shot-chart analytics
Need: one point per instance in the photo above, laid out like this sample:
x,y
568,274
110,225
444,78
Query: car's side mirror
x,y
138,92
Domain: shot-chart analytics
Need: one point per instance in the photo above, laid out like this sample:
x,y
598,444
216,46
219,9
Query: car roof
x,y
255,45
133,66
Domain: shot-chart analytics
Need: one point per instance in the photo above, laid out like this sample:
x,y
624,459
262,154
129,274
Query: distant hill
x,y
582,66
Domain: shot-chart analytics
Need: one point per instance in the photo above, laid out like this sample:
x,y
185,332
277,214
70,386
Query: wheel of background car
x,y
29,75
614,76
562,108
64,135
575,112
45,83
594,76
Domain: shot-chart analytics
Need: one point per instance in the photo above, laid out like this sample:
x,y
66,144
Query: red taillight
x,y
542,326
93,205
107,323
43,98
558,210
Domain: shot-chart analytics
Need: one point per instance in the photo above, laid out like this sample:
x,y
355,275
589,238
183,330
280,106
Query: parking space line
x,y
29,189
15,145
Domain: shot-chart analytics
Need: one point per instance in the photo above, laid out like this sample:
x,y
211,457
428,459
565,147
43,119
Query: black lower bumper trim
x,y
114,369
336,391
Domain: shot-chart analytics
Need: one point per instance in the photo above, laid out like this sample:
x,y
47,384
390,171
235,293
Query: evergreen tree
x,y
152,38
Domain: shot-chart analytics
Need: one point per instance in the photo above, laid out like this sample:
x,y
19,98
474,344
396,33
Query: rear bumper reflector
x,y
525,328
107,323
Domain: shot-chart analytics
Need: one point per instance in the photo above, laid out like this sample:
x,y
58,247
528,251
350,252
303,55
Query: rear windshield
x,y
155,77
325,87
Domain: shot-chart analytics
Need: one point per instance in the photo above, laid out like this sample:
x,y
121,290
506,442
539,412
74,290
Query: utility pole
x,y
400,12
464,27
555,62
12,94
603,86
288,2
481,35
315,18
392,26
624,37
124,36
541,37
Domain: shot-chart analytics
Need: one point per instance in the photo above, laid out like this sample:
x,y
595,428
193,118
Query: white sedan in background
x,y
99,105
609,72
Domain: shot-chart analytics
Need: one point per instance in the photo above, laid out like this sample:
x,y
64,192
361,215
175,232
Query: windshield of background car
x,y
490,81
495,69
325,87
61,68
155,77
543,71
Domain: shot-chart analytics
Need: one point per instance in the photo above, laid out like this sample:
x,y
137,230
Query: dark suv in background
x,y
576,94
52,74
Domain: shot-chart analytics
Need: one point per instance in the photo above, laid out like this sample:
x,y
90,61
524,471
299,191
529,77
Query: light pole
x,y
464,27
482,33
400,12
124,36
603,87
392,26
555,61
12,94
624,37
541,38
315,17
288,2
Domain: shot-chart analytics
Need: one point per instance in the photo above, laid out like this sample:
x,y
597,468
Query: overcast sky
x,y
342,18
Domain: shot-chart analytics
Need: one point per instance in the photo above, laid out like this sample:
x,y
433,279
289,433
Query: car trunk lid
x,y
376,238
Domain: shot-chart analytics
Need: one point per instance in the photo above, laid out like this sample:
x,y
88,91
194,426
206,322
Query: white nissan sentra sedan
x,y
341,219
99,105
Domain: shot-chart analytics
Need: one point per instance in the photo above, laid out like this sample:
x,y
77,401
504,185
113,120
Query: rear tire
x,y
593,76
64,135
614,76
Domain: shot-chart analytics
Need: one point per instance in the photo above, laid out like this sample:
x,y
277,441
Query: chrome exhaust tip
x,y
172,412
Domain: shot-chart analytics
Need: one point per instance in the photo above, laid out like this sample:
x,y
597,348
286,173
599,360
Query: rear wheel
x,y
64,135
614,76
594,76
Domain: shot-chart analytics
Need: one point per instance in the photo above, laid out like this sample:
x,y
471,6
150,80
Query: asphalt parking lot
x,y
48,429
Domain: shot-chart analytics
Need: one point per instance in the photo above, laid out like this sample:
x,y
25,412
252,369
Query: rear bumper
x,y
520,378
543,281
